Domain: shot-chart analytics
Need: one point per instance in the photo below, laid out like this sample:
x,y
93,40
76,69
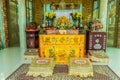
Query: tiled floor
x,y
12,58
114,61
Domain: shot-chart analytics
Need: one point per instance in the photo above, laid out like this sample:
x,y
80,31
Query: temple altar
x,y
61,47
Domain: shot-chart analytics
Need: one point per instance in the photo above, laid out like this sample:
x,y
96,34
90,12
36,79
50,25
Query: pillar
x,y
4,24
1,28
87,11
103,13
38,11
22,23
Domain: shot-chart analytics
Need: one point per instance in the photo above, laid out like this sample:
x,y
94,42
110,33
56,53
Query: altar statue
x,y
96,25
63,22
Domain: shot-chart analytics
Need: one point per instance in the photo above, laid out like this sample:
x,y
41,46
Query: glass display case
x,y
111,23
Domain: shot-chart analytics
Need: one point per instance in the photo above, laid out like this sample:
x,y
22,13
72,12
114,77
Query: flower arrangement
x,y
63,21
76,16
49,15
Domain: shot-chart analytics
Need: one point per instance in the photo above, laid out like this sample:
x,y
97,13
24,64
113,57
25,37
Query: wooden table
x,y
95,40
32,38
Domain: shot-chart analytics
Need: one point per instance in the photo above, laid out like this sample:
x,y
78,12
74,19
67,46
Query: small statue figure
x,y
32,25
80,26
85,26
96,25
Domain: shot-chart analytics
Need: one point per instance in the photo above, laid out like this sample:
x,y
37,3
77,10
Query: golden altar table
x,y
61,47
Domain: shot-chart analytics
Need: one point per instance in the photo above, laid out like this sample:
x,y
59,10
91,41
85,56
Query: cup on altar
x,y
43,25
62,31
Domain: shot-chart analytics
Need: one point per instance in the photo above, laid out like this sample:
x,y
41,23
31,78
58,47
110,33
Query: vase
x,y
74,23
79,24
51,22
47,24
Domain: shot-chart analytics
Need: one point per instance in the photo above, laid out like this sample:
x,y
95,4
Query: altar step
x,y
30,54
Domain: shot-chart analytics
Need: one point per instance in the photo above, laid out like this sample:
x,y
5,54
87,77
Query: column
x,y
87,10
38,9
1,28
103,13
22,23
4,24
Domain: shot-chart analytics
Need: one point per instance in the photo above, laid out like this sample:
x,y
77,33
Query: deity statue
x,y
96,25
